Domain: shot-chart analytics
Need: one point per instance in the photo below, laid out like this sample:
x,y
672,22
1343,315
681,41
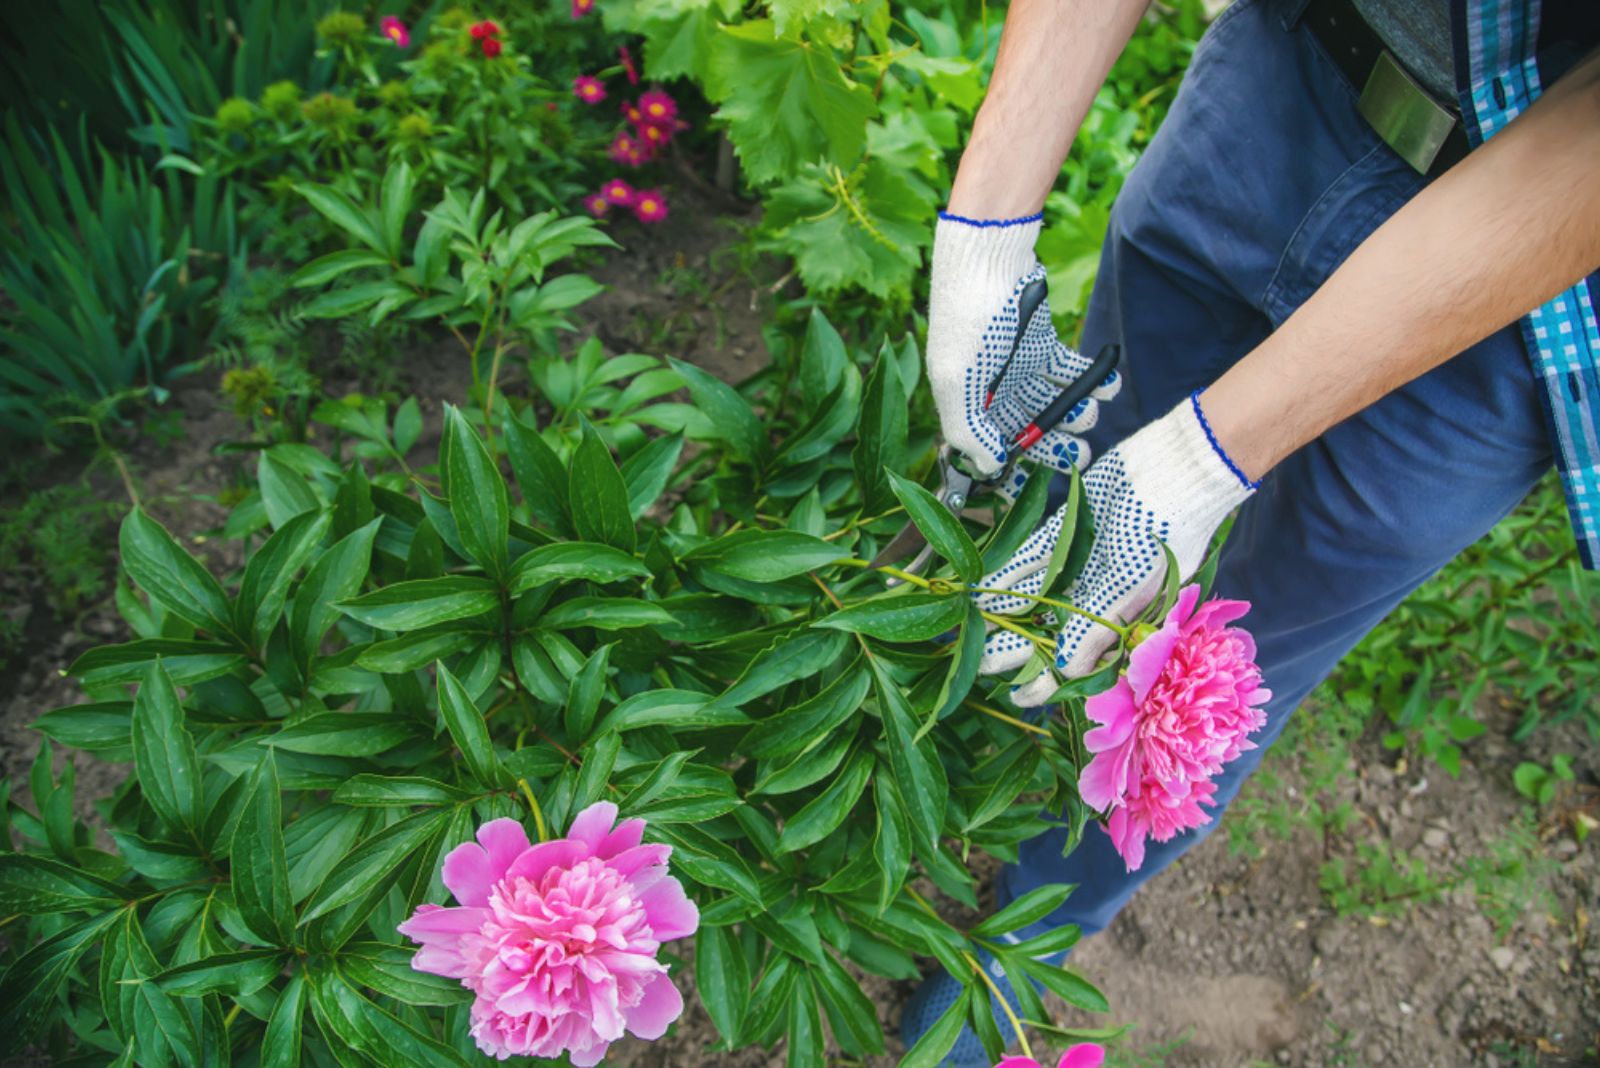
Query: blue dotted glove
x,y
1169,483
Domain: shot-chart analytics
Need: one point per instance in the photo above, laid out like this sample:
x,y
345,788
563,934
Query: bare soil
x,y
1221,961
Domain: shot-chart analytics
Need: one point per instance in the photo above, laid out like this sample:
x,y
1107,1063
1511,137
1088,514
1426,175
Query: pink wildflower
x,y
625,149
597,204
627,64
588,89
649,205
631,112
1083,1055
558,940
617,191
395,30
1183,710
654,136
581,8
656,106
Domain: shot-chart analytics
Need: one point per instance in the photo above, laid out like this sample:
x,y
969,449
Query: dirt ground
x,y
1221,961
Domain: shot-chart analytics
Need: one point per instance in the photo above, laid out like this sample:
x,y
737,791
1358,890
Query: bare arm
x,y
1500,233
1053,57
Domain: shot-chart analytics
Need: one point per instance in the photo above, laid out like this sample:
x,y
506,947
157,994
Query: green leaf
x,y
584,693
32,885
186,662
828,810
373,1031
646,472
917,772
1036,904
942,529
259,868
891,846
337,574
163,753
161,568
937,1040
722,979
679,709
881,434
238,975
793,729
271,570
280,1045
386,791
573,560
284,492
766,555
785,102
372,862
35,977
1068,986
477,493
606,613
1019,522
598,495
823,359
805,1045
423,602
732,421
387,969
412,651
325,269
849,1009
790,657
343,213
540,475
599,758
467,729
350,734
1057,571
963,668
901,617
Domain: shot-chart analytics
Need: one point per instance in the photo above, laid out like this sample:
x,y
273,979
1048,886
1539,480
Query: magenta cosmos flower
x,y
395,30
626,58
1083,1055
656,106
597,204
617,191
558,940
1183,710
581,8
588,89
650,205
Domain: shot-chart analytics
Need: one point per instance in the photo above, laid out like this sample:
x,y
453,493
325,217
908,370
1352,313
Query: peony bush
x,y
375,771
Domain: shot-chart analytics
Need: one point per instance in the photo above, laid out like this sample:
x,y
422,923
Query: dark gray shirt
x,y
1418,33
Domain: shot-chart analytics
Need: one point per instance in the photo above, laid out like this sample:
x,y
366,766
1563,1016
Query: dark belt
x,y
1424,131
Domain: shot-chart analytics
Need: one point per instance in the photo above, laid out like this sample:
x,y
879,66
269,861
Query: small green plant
x,y
1540,784
1380,881
58,540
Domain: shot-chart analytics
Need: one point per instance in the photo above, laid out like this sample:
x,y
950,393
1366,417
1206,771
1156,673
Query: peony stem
x,y
977,969
538,814
1002,717
1007,623
1053,603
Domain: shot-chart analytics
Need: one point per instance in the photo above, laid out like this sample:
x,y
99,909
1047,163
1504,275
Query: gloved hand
x,y
981,269
1170,482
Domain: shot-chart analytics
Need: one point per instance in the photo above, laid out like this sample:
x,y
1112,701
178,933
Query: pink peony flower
x,y
1083,1055
617,191
588,89
656,106
395,30
627,64
649,205
1184,709
597,204
558,940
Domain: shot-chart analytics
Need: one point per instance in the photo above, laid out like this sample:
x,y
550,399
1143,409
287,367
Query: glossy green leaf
x,y
731,419
161,567
336,575
372,862
259,866
271,570
606,613
940,526
584,694
850,1011
881,434
1068,986
388,970
681,709
477,492
1036,904
793,729
423,602
766,555
823,814
938,1040
164,754
565,560
280,1045
805,1038
388,791
646,472
540,475
722,979
598,495
34,885
349,734
467,728
901,617
963,671
891,845
916,768
236,975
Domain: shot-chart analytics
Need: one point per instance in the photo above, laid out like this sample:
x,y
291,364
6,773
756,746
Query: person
x,y
1320,275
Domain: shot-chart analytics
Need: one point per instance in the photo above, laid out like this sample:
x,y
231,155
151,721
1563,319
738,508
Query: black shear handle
x,y
1069,398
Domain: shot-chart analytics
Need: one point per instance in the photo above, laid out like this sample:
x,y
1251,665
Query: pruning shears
x,y
957,485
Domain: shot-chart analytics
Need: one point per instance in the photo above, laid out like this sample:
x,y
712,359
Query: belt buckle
x,y
1403,113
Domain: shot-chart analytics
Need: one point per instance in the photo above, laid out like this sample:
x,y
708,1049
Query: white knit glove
x,y
1171,482
980,270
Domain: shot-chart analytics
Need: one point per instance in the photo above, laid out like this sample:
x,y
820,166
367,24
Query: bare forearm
x,y
1497,235
1054,55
